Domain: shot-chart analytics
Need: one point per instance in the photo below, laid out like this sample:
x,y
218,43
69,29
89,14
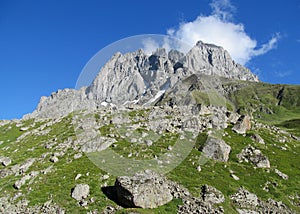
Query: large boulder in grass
x,y
216,149
242,125
80,191
145,189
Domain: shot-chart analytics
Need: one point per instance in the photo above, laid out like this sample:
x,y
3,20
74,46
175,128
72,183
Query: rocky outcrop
x,y
242,125
211,195
145,189
245,199
250,154
214,60
216,149
61,103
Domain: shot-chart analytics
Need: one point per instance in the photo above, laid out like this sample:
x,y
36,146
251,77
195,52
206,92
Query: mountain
x,y
139,78
161,133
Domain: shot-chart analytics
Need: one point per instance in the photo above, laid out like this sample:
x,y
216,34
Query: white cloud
x,y
150,45
218,29
223,9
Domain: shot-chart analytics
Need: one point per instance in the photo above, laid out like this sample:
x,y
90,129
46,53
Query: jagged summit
x,y
139,78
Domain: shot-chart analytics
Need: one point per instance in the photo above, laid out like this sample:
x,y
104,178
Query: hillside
x,y
196,139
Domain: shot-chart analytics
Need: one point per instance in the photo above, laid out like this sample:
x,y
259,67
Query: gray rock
x,y
214,60
145,189
258,138
242,125
25,166
235,177
19,183
245,211
137,78
245,199
281,174
53,159
212,195
97,144
5,161
80,191
216,149
250,154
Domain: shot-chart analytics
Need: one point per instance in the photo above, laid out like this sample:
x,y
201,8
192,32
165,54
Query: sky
x,y
44,45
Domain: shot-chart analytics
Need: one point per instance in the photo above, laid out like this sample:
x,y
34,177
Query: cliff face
x,y
142,79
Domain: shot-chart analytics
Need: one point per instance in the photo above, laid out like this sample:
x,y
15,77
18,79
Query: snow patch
x,y
158,95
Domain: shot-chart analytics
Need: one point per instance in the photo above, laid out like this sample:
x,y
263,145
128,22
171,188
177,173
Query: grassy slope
x,y
58,184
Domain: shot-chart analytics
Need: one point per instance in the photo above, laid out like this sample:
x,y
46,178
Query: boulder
x,y
80,191
257,138
145,189
217,149
242,125
211,195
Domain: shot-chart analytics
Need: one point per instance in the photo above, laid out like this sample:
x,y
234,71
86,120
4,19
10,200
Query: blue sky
x,y
44,45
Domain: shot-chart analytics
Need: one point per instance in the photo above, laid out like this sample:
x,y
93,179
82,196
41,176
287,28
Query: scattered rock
x,y
245,211
250,154
80,191
243,198
242,125
19,183
199,168
216,149
281,174
145,189
98,144
25,166
54,159
77,155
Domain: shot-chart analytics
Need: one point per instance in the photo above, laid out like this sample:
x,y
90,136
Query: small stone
x,y
54,159
78,155
281,174
149,142
78,176
199,168
105,177
5,161
235,177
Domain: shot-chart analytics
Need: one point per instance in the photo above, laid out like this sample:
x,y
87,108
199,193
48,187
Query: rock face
x,y
250,154
139,78
242,125
80,191
216,149
146,190
214,60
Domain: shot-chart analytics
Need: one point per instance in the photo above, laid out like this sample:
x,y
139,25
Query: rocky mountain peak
x,y
139,78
